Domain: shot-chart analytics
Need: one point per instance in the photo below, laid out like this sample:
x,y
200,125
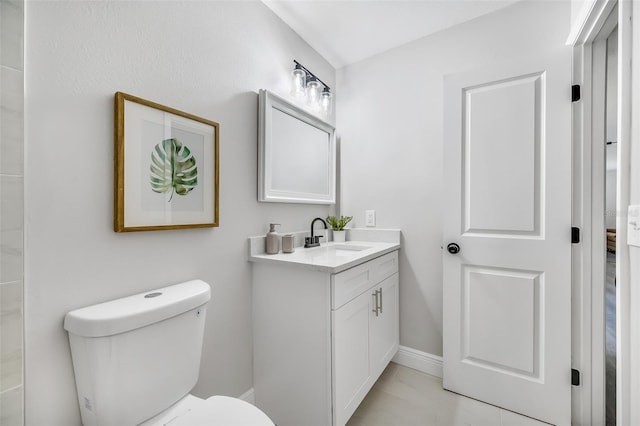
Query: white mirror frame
x,y
281,176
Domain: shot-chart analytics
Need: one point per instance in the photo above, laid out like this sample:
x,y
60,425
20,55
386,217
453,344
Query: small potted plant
x,y
338,224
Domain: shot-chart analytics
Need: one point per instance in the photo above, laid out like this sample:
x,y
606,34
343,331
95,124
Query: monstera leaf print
x,y
173,168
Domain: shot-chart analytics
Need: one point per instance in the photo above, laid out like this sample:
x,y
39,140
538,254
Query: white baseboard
x,y
418,360
248,396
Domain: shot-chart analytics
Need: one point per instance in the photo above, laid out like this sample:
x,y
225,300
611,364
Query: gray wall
x,y
11,210
205,58
390,126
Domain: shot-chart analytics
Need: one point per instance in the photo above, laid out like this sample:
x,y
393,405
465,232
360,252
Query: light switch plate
x,y
633,226
370,217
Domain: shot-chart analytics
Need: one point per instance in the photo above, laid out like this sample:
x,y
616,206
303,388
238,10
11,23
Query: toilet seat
x,y
214,411
222,411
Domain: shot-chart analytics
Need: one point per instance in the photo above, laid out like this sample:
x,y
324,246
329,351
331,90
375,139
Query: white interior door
x,y
507,292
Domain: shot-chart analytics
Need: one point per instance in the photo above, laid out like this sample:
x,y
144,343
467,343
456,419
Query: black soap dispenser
x,y
272,239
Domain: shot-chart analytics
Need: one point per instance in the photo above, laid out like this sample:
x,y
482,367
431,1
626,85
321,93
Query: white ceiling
x,y
347,31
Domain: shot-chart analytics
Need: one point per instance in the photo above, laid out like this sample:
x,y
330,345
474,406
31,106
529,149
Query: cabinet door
x,y
351,383
384,334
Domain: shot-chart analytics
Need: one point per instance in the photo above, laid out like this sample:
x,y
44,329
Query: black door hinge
x,y
575,93
575,235
575,377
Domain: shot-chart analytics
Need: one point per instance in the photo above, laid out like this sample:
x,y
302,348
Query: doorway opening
x,y
611,179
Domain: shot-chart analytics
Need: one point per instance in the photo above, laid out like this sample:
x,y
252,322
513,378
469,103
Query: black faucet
x,y
314,241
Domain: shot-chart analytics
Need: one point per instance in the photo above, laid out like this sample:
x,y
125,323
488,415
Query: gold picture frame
x,y
166,167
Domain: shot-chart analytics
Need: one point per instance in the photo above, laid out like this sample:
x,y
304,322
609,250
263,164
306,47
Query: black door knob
x,y
453,248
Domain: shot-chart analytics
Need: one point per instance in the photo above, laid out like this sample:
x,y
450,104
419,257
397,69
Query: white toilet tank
x,y
134,357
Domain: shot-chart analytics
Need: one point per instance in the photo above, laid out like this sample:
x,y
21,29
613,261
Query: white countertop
x,y
329,257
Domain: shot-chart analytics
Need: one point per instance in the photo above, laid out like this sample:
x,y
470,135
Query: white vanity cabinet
x,y
364,330
322,339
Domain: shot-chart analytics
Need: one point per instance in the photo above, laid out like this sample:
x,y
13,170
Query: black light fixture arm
x,y
298,64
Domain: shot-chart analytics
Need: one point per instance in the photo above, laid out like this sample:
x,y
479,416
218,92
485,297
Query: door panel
x,y
507,305
501,326
503,120
384,326
350,328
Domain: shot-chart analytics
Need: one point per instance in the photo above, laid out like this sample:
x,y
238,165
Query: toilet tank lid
x,y
128,313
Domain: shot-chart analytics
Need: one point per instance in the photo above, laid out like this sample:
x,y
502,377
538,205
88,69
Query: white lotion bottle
x,y
273,239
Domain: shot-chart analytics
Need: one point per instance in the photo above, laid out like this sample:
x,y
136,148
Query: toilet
x,y
137,358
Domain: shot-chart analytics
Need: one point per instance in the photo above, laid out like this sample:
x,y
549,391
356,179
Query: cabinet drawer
x,y
350,283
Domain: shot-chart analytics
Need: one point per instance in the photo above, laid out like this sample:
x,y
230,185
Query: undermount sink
x,y
333,250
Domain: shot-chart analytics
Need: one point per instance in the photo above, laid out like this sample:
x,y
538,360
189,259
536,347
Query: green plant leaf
x,y
338,223
173,168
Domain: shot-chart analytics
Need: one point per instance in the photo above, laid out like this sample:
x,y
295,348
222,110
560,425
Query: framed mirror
x,y
296,154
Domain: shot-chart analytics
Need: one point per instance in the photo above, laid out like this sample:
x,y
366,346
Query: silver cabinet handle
x,y
375,302
380,293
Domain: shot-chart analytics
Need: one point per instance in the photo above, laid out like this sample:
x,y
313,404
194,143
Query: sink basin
x,y
349,247
333,250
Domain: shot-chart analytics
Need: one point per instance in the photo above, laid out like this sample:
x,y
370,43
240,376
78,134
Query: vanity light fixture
x,y
305,85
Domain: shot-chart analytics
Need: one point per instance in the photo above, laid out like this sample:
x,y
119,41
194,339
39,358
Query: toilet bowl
x,y
140,355
213,411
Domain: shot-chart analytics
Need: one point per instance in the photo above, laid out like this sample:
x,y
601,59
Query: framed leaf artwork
x,y
166,167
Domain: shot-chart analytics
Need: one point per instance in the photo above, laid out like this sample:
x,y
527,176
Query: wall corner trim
x,y
418,360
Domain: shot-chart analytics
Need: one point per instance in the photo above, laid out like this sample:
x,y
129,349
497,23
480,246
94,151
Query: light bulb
x,y
313,93
325,101
298,82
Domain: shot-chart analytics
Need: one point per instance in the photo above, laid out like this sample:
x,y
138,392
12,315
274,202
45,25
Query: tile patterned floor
x,y
403,396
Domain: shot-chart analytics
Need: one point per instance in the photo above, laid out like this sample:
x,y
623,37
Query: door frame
x,y
588,284
627,300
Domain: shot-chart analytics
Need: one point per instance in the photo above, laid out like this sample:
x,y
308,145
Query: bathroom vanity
x,y
325,327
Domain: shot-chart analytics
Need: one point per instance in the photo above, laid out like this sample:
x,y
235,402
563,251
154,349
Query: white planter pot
x,y
339,236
